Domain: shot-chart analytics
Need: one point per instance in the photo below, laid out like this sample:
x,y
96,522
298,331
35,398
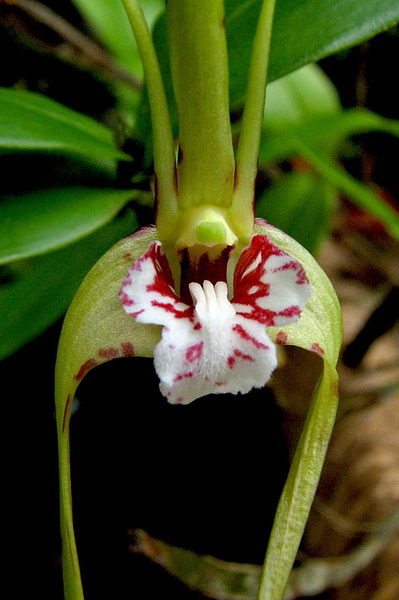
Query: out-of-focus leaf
x,y
109,21
363,195
301,96
325,132
300,204
222,580
32,122
42,221
37,292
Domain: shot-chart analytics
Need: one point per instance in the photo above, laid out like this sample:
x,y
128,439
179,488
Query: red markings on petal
x,y
246,336
231,360
251,265
108,353
316,348
85,368
171,309
293,265
302,277
127,349
181,376
281,338
194,353
126,301
163,282
265,284
67,413
290,311
240,354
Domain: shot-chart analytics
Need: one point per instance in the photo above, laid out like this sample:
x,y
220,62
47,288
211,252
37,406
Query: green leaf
x,y
32,122
304,31
42,221
108,19
319,330
331,131
35,293
300,204
96,329
301,96
326,132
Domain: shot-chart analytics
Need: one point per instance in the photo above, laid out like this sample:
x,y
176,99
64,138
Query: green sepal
x,y
96,330
319,330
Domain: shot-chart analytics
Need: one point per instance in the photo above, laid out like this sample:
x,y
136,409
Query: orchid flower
x,y
210,290
212,344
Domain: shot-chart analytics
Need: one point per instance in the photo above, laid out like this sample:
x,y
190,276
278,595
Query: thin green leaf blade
x,y
42,221
32,122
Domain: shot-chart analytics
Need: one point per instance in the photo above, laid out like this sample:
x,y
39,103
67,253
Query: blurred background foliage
x,y
75,161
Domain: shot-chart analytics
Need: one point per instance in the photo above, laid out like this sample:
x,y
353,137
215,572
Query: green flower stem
x,y
251,127
163,143
199,65
70,563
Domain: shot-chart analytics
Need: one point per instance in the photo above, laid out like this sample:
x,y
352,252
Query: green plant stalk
x,y
73,589
163,143
199,66
253,116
